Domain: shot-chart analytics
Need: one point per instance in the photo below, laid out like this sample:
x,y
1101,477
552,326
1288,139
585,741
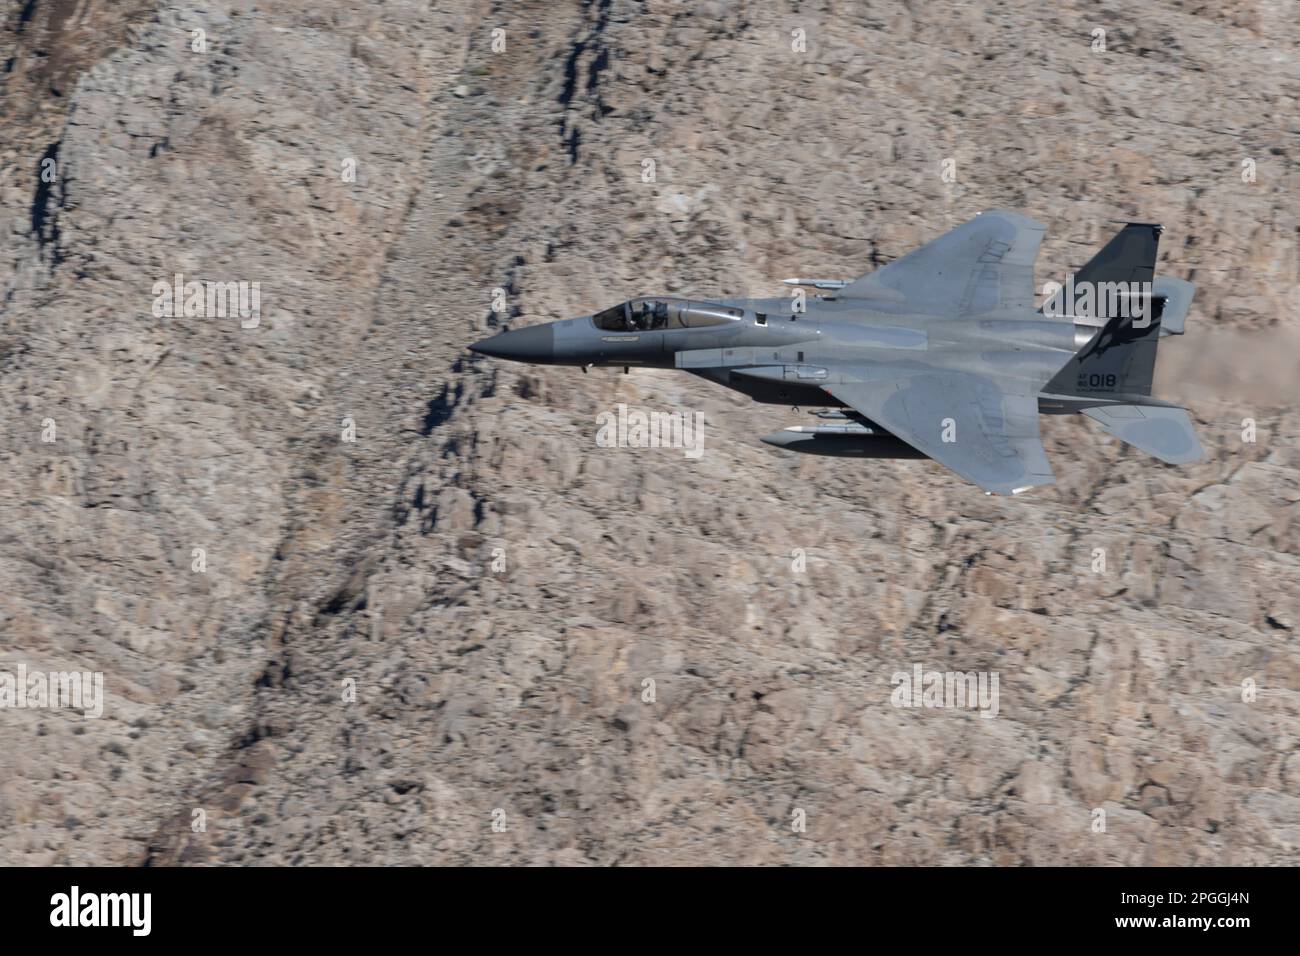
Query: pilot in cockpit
x,y
660,319
645,315
641,316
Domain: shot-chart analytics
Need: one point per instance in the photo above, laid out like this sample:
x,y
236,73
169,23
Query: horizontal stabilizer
x,y
1163,431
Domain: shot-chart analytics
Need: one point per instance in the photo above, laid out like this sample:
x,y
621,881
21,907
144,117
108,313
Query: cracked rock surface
x,y
472,614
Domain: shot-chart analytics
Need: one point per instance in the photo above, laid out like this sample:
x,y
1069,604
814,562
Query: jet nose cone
x,y
536,343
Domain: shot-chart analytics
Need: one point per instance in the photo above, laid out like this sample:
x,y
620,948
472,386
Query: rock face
x,y
470,635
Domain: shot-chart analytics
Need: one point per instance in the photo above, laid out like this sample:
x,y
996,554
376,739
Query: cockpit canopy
x,y
641,315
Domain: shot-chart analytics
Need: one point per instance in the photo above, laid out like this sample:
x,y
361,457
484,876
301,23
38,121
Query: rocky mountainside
x,y
471,635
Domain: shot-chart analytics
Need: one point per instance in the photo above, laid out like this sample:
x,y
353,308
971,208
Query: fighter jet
x,y
940,354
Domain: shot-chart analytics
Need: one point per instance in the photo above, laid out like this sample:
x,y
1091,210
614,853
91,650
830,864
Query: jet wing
x,y
983,265
985,432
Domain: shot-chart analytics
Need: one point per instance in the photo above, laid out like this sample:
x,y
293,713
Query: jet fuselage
x,y
773,354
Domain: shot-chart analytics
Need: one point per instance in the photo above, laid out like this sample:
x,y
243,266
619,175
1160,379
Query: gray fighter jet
x,y
940,354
